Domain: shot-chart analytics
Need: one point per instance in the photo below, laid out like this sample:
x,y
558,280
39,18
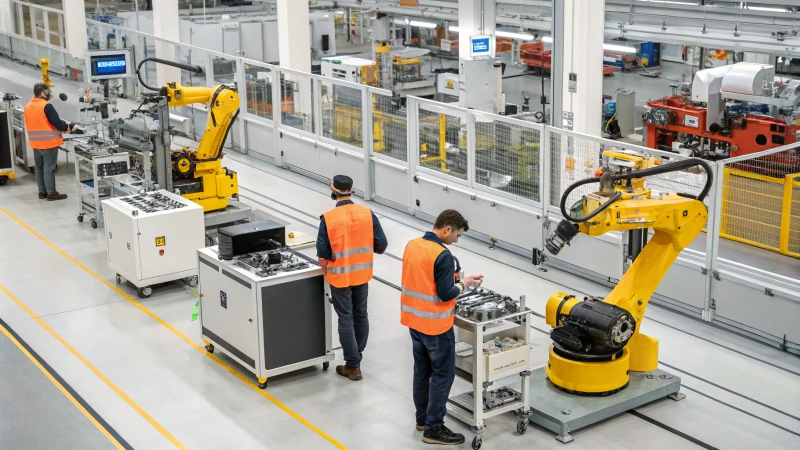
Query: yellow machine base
x,y
589,378
219,184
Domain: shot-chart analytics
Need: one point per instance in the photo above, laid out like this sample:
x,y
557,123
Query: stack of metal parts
x,y
480,305
152,202
271,263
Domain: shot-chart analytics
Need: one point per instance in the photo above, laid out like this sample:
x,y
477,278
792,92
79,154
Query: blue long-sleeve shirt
x,y
324,250
54,119
444,271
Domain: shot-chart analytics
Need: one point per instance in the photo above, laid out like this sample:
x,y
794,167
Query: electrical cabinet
x,y
152,238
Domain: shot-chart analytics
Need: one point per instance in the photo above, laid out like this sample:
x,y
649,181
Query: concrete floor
x,y
141,367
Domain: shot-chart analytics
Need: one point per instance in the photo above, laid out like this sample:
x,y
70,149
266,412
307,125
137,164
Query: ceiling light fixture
x,y
619,48
520,36
415,23
547,39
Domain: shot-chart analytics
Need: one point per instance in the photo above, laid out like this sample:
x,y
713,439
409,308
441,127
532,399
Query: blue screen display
x,y
109,65
480,46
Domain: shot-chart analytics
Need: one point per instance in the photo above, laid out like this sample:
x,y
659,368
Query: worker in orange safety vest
x,y
44,129
349,235
428,302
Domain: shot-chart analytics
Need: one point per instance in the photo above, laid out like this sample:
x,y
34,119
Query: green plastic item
x,y
196,305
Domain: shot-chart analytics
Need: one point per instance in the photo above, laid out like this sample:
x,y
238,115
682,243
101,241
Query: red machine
x,y
676,119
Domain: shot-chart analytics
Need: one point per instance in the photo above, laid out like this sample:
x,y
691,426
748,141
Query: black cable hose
x,y
189,67
658,170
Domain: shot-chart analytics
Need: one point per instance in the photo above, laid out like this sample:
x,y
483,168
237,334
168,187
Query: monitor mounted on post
x,y
108,64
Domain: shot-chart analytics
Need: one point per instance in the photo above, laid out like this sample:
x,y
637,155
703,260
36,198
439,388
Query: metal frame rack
x,y
104,185
474,407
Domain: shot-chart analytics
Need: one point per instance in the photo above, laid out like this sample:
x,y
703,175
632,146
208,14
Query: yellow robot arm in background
x,y
597,343
223,107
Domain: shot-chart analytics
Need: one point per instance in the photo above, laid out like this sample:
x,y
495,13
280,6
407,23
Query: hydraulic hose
x,y
188,67
657,170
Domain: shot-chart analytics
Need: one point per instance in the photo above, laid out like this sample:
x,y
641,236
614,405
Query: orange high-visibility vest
x,y
352,242
41,134
420,306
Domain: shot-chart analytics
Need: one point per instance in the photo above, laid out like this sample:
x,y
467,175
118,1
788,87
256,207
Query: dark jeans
x,y
45,162
434,372
351,306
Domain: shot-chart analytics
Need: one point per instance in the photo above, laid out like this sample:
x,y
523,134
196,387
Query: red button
x,y
161,252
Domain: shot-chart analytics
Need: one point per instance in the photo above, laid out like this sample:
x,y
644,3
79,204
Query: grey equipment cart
x,y
481,316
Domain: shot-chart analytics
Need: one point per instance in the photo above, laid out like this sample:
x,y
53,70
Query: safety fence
x,y
37,32
506,175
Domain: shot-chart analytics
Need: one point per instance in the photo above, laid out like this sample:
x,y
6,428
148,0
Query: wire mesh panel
x,y
507,156
258,90
297,101
572,159
759,202
341,113
443,142
389,125
224,70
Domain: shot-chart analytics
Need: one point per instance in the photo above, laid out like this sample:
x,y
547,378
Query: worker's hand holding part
x,y
473,281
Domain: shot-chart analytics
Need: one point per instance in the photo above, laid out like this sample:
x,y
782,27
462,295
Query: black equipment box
x,y
250,238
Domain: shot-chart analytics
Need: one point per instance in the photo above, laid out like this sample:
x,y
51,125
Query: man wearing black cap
x,y
348,236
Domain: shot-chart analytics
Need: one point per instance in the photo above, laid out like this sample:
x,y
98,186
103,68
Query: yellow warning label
x,y
161,241
450,84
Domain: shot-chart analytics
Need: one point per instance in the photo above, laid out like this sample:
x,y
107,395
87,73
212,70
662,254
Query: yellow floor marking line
x,y
197,347
96,371
61,388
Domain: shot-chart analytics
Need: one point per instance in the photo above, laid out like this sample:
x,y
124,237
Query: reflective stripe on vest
x,y
42,135
352,241
421,308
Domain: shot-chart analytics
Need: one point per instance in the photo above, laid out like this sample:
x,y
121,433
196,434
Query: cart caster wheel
x,y
477,442
193,281
522,426
210,348
326,365
144,292
94,224
80,218
3,180
262,385
118,279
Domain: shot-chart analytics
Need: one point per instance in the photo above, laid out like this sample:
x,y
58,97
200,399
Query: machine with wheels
x,y
598,349
152,238
267,310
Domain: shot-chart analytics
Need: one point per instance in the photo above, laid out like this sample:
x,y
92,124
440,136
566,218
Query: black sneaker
x,y
442,436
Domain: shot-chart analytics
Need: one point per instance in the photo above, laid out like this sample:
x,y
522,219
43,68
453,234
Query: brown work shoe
x,y
55,196
42,195
353,374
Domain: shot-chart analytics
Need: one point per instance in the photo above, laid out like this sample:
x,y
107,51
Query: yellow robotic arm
x,y
198,174
596,342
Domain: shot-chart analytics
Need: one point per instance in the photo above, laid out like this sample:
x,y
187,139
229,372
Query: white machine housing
x,y
323,34
271,325
750,82
346,68
148,248
447,87
481,85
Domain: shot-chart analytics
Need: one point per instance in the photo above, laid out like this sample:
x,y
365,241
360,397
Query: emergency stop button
x,y
161,252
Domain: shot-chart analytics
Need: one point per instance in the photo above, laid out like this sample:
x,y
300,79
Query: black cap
x,y
342,184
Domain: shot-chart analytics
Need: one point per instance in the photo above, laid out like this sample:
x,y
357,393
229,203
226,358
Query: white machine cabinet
x,y
270,318
152,238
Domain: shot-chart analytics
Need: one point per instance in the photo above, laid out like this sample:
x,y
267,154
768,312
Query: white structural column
x,y
294,43
480,82
165,26
75,28
582,95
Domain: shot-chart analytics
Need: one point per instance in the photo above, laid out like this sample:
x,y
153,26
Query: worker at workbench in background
x,y
428,302
348,236
44,135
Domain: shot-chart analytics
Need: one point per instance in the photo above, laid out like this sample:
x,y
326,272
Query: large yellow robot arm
x,y
623,204
223,107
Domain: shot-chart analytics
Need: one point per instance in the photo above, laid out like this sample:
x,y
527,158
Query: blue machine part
x,y
651,53
609,109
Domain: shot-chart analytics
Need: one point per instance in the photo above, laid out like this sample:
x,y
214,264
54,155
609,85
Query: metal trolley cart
x,y
6,148
100,174
489,321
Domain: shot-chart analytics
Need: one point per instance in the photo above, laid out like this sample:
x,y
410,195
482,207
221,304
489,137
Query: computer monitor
x,y
108,64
